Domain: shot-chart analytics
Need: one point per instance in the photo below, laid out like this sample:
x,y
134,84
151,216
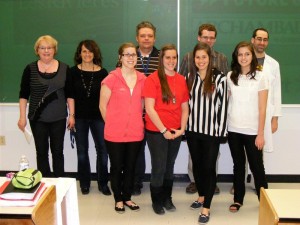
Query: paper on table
x,y
28,135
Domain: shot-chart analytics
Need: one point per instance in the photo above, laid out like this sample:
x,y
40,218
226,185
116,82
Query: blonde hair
x,y
47,38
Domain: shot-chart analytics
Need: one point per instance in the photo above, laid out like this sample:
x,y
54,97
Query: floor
x,y
97,209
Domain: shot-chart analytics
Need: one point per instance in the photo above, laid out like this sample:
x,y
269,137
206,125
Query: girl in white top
x,y
248,93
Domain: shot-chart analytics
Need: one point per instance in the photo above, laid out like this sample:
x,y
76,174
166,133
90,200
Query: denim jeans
x,y
163,155
43,133
240,144
82,142
123,156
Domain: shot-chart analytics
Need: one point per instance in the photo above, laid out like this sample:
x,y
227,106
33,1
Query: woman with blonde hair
x,y
45,84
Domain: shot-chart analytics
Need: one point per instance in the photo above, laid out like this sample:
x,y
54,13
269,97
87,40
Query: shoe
x,y
105,190
217,190
85,190
133,206
158,209
136,190
203,219
196,205
235,207
168,204
191,188
119,209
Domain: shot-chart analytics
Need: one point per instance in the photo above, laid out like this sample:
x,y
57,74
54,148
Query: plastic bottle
x,y
24,163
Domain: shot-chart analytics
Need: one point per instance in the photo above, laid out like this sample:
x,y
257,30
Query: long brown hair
x,y
208,87
236,67
165,89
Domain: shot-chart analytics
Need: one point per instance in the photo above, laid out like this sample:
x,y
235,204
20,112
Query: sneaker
x,y
203,219
196,205
191,188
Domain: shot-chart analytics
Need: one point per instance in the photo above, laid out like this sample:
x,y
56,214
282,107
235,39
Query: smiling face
x,y
45,51
201,60
86,55
129,57
244,57
170,61
261,41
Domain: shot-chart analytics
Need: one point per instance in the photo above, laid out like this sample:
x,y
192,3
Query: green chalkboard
x,y
112,22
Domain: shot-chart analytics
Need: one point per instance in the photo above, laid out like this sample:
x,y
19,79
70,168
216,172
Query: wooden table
x,y
279,207
44,212
66,205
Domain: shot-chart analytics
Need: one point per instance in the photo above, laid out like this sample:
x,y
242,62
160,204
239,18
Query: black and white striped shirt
x,y
208,116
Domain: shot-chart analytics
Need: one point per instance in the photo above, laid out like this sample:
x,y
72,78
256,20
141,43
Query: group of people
x,y
144,100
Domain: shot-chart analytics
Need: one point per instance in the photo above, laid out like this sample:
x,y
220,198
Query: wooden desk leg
x,y
267,213
45,211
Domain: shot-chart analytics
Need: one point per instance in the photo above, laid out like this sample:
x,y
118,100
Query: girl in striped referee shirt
x,y
206,126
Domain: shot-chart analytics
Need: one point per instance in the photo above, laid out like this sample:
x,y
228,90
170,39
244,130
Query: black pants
x,y
43,133
204,154
239,144
122,157
140,166
163,155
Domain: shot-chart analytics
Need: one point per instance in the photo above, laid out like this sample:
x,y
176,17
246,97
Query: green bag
x,y
27,178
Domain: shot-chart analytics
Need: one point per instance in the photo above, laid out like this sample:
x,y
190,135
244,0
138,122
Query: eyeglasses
x,y
208,38
260,39
46,48
128,55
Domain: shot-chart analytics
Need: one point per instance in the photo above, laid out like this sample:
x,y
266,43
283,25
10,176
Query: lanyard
x,y
145,67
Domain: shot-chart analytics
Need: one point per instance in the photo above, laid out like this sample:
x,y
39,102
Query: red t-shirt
x,y
169,113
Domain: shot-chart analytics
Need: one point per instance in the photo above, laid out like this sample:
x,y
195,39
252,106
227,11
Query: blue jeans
x,y
163,155
53,134
82,142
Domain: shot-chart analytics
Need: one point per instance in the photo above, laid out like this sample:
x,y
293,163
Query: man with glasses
x,y
147,63
207,34
270,68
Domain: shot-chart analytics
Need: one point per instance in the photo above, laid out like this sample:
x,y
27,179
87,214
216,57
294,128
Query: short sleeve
x,y
149,88
263,83
109,81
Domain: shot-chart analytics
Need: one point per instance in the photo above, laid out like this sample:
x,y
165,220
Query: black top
x,y
47,93
87,107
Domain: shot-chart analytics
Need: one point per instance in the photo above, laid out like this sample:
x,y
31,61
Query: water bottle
x,y
24,163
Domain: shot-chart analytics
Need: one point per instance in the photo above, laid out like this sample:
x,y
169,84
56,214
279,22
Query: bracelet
x,y
73,114
164,131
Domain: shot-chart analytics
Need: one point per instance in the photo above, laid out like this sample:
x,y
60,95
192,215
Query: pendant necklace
x,y
87,88
174,95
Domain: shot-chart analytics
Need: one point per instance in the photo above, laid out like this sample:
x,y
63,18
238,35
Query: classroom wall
x,y
283,161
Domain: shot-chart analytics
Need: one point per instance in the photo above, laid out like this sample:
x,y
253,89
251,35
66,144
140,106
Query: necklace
x,y
89,86
174,95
